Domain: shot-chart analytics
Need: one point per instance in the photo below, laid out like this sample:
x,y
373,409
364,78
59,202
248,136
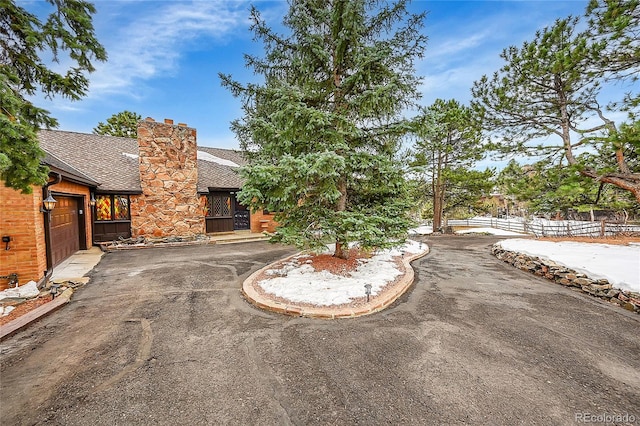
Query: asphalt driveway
x,y
163,336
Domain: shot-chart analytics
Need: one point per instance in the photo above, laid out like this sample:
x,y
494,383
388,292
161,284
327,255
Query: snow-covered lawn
x,y
297,281
619,264
492,231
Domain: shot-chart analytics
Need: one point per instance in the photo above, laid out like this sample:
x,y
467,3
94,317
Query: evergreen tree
x,y
614,27
123,124
447,148
323,130
23,40
547,190
544,103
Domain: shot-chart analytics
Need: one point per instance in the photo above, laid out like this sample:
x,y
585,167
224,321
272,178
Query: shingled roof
x,y
112,161
212,174
70,172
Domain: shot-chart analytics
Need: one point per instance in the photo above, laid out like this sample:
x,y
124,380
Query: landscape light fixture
x,y
367,290
54,290
49,203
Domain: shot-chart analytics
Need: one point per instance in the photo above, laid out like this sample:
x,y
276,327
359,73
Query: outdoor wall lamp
x,y
48,203
92,201
13,279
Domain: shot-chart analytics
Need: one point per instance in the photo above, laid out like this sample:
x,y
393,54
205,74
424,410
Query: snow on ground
x,y
299,282
421,230
492,231
26,291
619,264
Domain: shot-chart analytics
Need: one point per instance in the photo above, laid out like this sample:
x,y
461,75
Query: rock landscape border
x,y
567,277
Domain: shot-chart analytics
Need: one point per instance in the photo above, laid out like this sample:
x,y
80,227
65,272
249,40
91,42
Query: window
x,y
112,207
218,206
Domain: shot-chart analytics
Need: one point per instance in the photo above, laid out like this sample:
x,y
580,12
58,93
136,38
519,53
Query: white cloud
x,y
150,42
452,46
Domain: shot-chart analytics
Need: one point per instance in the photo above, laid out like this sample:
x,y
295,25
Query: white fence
x,y
549,228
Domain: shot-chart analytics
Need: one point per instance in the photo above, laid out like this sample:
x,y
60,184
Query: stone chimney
x,y
169,204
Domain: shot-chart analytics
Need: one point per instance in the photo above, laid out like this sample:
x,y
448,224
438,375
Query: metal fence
x,y
550,228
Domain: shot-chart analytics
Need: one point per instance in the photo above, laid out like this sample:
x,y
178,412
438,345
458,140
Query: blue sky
x,y
164,56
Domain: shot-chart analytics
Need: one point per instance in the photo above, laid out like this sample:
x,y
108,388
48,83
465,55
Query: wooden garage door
x,y
65,233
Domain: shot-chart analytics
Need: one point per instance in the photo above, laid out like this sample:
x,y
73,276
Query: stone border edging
x,y
140,246
23,321
328,312
567,277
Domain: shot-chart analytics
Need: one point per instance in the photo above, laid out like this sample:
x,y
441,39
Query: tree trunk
x,y
341,251
342,247
438,195
437,213
629,182
625,179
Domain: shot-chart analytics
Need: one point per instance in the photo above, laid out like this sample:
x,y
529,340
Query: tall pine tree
x,y
68,38
323,130
543,102
448,146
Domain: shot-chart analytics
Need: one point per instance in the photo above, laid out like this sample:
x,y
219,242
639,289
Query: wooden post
x,y
603,228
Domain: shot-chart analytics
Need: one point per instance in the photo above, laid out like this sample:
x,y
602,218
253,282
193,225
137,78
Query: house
x,y
107,188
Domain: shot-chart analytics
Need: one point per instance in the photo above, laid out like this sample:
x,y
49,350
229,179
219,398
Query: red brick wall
x,y
262,222
20,218
74,189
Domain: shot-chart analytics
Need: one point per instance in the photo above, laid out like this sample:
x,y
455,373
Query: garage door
x,y
65,232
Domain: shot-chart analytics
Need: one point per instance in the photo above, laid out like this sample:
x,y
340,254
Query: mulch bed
x,y
24,308
335,265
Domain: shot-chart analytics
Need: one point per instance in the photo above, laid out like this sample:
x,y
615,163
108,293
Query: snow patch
x,y
492,231
421,230
134,156
303,284
213,159
6,310
26,291
618,264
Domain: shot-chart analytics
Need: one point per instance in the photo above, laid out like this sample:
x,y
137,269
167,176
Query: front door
x,y
241,217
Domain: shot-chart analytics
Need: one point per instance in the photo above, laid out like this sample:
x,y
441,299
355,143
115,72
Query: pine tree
x,y
123,124
544,103
547,190
614,27
323,130
23,40
447,148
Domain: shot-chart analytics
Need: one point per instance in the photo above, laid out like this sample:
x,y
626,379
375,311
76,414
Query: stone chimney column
x,y
169,204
